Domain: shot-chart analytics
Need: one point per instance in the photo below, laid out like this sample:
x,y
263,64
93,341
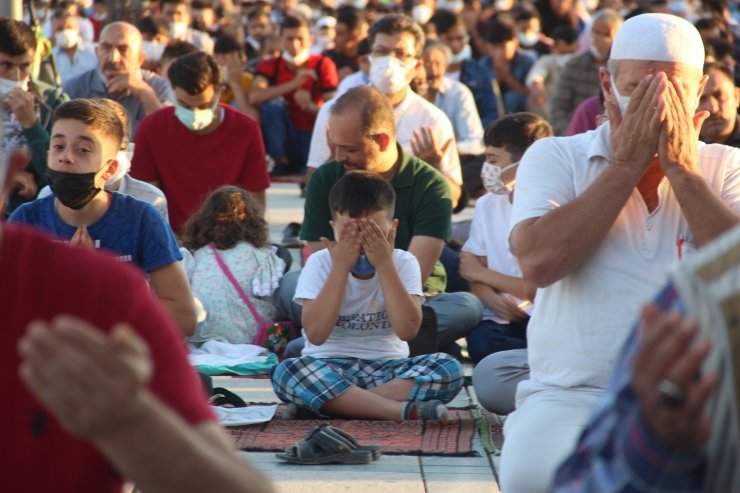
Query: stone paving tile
x,y
460,485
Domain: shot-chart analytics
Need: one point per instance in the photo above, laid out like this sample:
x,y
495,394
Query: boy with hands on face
x,y
361,302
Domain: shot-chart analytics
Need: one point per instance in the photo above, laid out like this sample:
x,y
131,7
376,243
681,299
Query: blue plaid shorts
x,y
310,382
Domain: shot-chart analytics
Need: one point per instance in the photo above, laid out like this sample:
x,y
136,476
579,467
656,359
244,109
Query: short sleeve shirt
x,y
276,71
580,322
131,229
423,203
489,238
363,329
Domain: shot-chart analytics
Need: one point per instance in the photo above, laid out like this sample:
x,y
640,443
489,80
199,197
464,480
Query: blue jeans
x,y
491,337
451,260
282,139
457,313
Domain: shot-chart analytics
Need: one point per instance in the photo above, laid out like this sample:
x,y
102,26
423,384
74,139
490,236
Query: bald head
x,y
371,106
119,49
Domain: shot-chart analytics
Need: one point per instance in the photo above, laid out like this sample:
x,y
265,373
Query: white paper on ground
x,y
240,416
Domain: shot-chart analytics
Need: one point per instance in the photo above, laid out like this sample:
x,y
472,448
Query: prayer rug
x,y
453,438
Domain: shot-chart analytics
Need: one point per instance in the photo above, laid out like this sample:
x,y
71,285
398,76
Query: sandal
x,y
226,398
320,447
352,441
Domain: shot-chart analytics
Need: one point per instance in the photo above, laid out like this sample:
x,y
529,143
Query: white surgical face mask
x,y
196,119
67,38
178,29
421,13
298,59
527,40
7,85
388,74
124,164
153,50
623,101
491,176
324,41
464,54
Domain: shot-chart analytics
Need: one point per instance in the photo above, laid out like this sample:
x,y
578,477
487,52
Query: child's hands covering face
x,y
345,251
378,247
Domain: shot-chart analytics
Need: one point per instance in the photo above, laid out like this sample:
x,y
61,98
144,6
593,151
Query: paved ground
x,y
396,474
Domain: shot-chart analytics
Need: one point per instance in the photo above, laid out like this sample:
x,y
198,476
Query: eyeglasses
x,y
399,54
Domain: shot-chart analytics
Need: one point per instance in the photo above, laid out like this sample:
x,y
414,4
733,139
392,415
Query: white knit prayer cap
x,y
659,38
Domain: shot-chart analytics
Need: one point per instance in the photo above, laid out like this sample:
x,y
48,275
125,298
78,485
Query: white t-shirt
x,y
489,237
413,112
354,79
363,328
580,322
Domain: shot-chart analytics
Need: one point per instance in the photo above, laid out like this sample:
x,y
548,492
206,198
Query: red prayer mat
x,y
453,438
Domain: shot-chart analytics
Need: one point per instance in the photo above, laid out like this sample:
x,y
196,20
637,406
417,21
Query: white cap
x,y
326,21
659,38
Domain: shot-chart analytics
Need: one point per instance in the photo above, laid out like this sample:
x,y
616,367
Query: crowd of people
x,y
596,141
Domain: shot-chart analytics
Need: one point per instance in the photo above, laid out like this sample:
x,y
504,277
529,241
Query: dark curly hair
x,y
228,216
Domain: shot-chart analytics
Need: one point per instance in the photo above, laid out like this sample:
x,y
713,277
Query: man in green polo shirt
x,y
362,135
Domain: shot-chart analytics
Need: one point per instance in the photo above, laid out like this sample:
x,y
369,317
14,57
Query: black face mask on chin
x,y
74,190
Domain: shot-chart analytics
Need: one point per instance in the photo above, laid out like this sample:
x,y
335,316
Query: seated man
x,y
361,302
258,28
455,100
177,13
290,90
461,65
119,75
171,52
86,136
102,388
721,99
396,45
73,55
669,419
579,79
229,53
155,33
542,79
351,29
28,107
199,145
507,63
598,218
423,206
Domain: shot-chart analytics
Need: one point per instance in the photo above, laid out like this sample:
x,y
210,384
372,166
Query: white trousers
x,y
541,433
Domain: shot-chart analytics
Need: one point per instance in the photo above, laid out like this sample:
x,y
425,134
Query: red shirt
x,y
189,166
40,279
276,71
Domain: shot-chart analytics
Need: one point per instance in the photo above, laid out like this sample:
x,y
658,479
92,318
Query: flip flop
x,y
352,441
226,398
320,447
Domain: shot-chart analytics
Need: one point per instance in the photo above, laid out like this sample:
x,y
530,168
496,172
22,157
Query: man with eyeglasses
x,y
199,145
396,44
119,75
